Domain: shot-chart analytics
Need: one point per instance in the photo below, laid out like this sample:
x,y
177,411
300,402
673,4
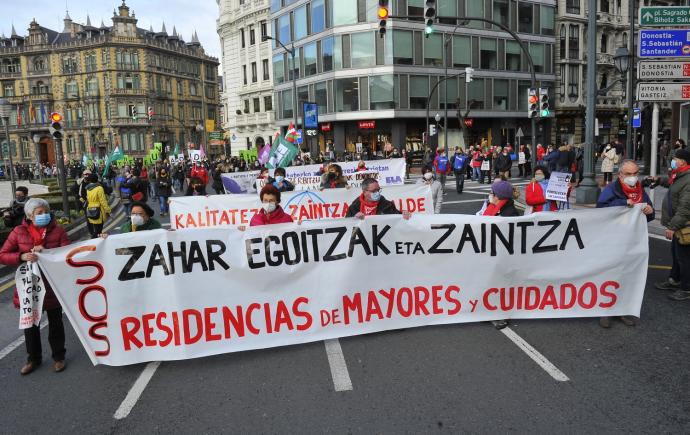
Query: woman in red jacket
x,y
535,192
39,231
271,212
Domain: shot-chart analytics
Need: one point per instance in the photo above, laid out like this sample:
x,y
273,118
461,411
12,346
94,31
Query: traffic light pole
x,y
63,177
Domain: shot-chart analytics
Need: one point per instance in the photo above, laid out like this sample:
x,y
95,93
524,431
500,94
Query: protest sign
x,y
170,295
557,189
31,294
486,165
521,158
391,173
236,210
195,156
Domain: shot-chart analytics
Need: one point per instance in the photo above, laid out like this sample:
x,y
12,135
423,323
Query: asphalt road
x,y
456,378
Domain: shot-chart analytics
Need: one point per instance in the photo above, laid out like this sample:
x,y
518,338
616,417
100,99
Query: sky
x,y
186,15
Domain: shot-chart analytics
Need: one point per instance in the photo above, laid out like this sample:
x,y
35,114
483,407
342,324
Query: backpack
x,y
459,162
443,164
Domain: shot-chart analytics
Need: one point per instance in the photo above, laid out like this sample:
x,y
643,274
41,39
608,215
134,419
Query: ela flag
x,y
282,154
291,134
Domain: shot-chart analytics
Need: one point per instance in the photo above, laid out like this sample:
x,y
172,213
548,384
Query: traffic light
x,y
56,125
150,112
468,74
134,113
432,129
383,13
532,103
544,109
429,16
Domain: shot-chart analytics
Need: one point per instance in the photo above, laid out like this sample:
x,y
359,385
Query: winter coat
x,y
284,186
607,161
436,193
503,162
552,160
95,197
613,196
676,215
384,207
164,186
535,197
278,216
152,224
20,242
565,159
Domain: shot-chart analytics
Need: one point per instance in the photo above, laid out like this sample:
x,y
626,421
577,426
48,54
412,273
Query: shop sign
x,y
367,125
469,122
326,126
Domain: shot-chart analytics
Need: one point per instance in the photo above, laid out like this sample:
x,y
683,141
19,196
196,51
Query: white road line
x,y
463,201
537,357
336,359
137,389
18,342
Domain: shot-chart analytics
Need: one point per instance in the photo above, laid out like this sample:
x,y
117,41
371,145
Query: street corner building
x,y
116,84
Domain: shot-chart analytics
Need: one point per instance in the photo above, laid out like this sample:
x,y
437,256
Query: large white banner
x,y
237,210
170,295
354,180
391,173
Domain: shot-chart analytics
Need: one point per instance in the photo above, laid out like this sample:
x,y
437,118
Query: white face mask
x,y
630,181
492,198
428,176
137,220
269,207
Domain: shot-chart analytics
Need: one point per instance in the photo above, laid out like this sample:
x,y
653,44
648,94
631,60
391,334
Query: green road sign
x,y
660,16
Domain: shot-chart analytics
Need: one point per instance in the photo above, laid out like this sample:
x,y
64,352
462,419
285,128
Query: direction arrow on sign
x,y
665,16
663,92
664,43
663,70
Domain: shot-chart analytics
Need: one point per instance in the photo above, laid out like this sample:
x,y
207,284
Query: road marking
x,y
537,357
463,201
7,285
137,389
336,359
18,342
658,237
655,266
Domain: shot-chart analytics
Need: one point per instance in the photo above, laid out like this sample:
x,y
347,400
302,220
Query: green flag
x,y
282,153
177,150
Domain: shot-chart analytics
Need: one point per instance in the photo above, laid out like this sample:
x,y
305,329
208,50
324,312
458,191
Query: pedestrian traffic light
x,y
532,103
5,149
150,112
383,13
56,125
429,16
544,109
134,113
432,129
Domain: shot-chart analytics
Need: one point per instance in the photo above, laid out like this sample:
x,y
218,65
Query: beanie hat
x,y
502,189
682,154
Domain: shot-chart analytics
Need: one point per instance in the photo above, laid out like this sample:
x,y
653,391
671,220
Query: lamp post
x,y
631,81
294,75
622,62
5,111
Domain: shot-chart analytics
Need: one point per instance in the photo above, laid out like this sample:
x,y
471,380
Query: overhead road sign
x,y
660,16
663,92
663,70
664,43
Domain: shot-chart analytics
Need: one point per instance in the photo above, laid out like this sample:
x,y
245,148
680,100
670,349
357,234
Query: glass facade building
x,y
354,75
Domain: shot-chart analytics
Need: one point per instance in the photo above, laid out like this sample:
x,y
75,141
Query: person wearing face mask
x,y
96,207
196,187
626,191
441,167
608,160
141,219
164,189
675,216
14,214
39,231
428,179
535,192
371,203
271,212
361,166
279,181
503,164
333,178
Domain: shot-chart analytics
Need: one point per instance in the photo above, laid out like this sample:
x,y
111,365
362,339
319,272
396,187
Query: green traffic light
x,y
428,30
545,113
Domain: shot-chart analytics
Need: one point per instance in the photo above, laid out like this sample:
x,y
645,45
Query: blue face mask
x,y
375,196
42,220
279,178
674,164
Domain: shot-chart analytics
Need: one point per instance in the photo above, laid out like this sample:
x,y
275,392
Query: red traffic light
x,y
533,99
55,117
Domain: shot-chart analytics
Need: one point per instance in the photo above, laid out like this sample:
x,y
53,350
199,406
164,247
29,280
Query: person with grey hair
x,y
38,231
371,203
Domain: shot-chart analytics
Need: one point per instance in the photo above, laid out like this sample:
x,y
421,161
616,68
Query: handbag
x,y
683,235
93,212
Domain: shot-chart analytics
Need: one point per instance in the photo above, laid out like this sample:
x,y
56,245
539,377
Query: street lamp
x,y
621,60
265,38
5,111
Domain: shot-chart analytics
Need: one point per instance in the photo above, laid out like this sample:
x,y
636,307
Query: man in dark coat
x,y
371,203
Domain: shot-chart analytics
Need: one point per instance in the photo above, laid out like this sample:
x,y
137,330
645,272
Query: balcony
x,y
28,126
6,73
129,122
160,94
123,91
42,72
604,59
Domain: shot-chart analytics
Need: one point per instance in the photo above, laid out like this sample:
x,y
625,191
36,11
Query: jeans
x,y
680,271
163,202
442,180
459,181
476,173
56,338
486,174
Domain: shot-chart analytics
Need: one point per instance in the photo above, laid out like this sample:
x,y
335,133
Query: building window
x,y
382,92
604,6
500,94
265,69
242,41
192,89
246,106
402,47
513,56
283,24
278,69
537,52
318,16
268,103
475,8
257,104
462,51
363,50
525,18
451,98
562,41
574,42
547,20
92,86
310,59
255,75
347,94
179,88
327,54
321,96
252,36
572,6
286,103
419,91
343,12
573,82
69,65
604,46
488,53
244,74
264,30
501,12
90,61
71,89
475,94
433,50
416,7
26,149
299,19
39,64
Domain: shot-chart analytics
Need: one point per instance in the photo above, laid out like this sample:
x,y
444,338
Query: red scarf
x,y
494,209
366,207
37,234
635,193
675,172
